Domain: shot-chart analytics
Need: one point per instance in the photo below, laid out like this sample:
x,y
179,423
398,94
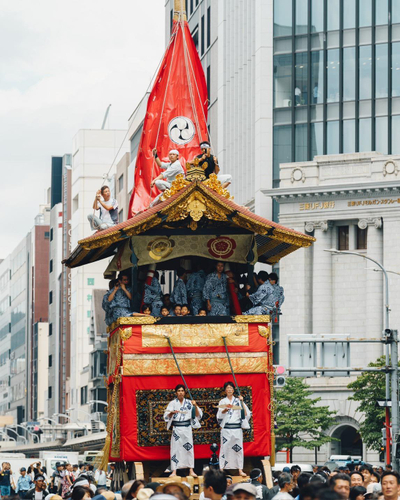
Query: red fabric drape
x,y
261,419
176,116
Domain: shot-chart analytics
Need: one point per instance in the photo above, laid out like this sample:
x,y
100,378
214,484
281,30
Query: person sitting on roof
x,y
215,292
172,169
108,210
153,295
212,165
117,301
179,294
262,299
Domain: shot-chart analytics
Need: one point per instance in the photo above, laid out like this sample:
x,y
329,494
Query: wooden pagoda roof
x,y
193,207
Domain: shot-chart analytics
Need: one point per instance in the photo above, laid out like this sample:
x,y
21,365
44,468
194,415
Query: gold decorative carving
x,y
193,225
252,318
195,172
196,206
195,335
177,185
133,320
113,353
213,183
125,333
264,331
195,366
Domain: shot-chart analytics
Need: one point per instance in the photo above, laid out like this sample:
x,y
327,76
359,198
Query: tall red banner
x,y
176,116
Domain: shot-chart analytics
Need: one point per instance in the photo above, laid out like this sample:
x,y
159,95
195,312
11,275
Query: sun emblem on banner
x,y
160,248
222,247
181,130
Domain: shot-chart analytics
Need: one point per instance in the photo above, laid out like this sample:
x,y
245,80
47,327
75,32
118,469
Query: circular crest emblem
x,y
221,248
181,130
160,248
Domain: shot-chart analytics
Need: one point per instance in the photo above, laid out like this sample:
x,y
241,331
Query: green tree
x,y
368,389
300,421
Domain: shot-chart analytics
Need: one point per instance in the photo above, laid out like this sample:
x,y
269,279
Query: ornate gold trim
x,y
215,184
249,318
264,331
125,333
132,320
177,185
195,335
194,366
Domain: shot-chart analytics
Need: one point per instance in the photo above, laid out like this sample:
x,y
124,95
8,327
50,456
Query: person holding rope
x,y
172,169
230,420
178,414
108,210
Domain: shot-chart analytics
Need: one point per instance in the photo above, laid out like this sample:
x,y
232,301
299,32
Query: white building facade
x,y
95,154
347,202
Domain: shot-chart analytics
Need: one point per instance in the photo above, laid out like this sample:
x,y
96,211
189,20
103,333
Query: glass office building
x,y
336,78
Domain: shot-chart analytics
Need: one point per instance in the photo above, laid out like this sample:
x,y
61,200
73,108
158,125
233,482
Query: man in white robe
x,y
178,415
231,423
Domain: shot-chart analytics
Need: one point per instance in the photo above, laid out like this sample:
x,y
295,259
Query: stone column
x,y
322,277
374,292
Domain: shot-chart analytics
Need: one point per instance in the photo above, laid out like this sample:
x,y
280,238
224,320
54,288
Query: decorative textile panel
x,y
143,399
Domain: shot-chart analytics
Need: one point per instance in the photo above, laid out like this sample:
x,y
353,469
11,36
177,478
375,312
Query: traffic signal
x,y
279,378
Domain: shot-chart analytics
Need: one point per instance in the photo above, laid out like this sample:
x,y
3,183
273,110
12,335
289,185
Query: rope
x,y
181,374
163,104
242,412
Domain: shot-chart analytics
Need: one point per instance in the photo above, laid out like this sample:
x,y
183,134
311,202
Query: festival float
x,y
195,224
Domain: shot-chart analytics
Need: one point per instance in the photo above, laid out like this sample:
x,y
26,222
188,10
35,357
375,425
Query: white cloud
x,y
61,64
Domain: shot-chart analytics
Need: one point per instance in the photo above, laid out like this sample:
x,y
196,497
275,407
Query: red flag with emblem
x,y
176,116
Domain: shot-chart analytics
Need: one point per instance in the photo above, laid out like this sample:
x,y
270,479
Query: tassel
x,y
106,453
162,279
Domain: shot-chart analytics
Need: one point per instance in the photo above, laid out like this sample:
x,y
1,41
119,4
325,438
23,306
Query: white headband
x,y
174,152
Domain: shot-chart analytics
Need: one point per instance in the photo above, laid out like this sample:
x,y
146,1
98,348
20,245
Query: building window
x,y
349,74
396,69
382,12
84,395
317,16
317,76
282,81
50,297
349,136
50,329
282,147
300,152
301,80
208,27
332,138
195,36
381,70
349,14
365,66
365,13
381,134
343,237
121,183
50,360
202,35
362,238
282,17
333,76
317,139
365,135
50,392
333,14
46,235
301,16
51,265
51,234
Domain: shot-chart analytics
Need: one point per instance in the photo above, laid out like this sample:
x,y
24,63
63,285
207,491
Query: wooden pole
x,y
179,10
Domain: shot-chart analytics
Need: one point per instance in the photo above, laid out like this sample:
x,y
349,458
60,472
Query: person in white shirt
x,y
285,482
100,478
108,210
165,179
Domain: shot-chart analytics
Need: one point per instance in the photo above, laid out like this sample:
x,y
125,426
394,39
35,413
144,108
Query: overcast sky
x,y
61,64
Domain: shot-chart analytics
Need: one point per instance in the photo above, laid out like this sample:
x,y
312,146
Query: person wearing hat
x,y
178,415
244,491
24,483
172,169
173,488
212,164
38,492
229,417
56,481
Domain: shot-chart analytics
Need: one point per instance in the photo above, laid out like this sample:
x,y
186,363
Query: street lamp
x,y
16,433
91,419
98,401
391,338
